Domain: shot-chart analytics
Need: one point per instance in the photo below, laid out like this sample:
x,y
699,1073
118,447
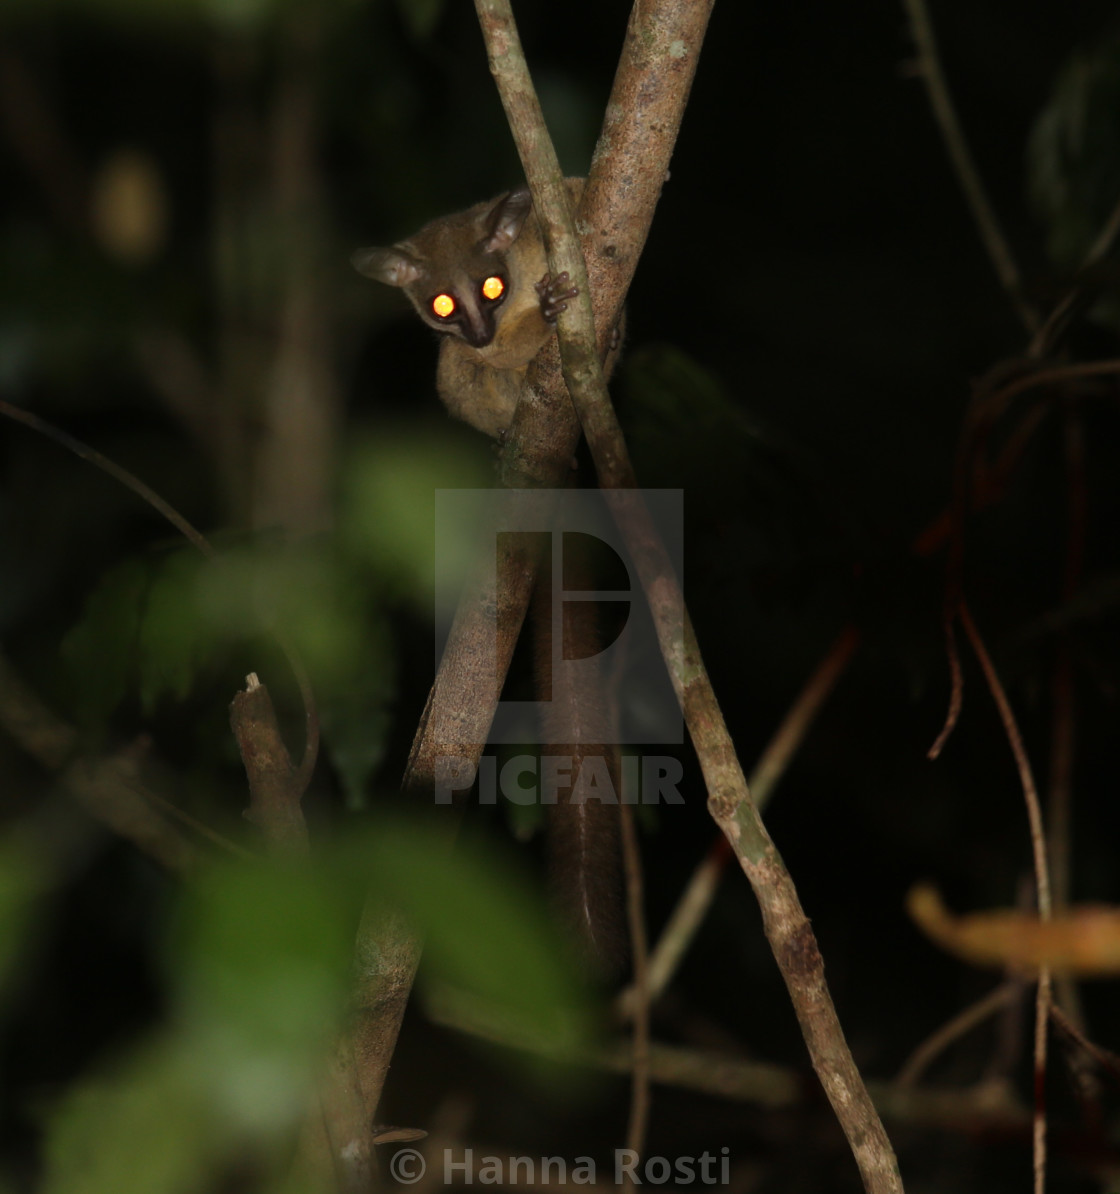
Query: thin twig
x,y
987,1105
1106,238
788,737
692,907
681,927
640,1027
1007,1050
992,405
1042,886
1022,764
987,406
108,786
956,687
944,111
1046,336
1104,1058
148,792
701,1070
197,539
954,577
127,479
1063,729
1042,1007
962,1023
1063,713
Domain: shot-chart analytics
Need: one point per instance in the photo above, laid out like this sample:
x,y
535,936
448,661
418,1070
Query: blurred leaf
x,y
344,642
139,626
238,14
259,971
681,420
487,937
1082,941
387,518
172,640
22,880
263,951
156,622
129,207
687,429
259,976
1073,157
316,603
100,649
139,1129
161,1121
764,516
261,958
304,593
664,384
525,820
355,718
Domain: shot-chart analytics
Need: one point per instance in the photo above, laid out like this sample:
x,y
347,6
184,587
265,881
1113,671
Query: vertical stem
x,y
945,113
1042,887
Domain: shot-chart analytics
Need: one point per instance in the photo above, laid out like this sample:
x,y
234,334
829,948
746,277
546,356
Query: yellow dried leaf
x,y
1085,941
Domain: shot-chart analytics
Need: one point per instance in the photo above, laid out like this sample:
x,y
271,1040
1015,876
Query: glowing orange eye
x,y
443,305
492,288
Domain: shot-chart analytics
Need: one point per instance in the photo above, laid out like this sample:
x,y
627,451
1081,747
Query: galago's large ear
x,y
507,219
393,266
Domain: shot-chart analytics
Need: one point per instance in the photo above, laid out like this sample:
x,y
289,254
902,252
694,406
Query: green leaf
x,y
157,622
173,641
683,422
261,961
100,650
1073,157
135,1130
314,601
259,976
259,971
140,626
387,515
488,941
22,880
355,719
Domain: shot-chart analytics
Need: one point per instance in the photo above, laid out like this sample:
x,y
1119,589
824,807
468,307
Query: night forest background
x,y
183,184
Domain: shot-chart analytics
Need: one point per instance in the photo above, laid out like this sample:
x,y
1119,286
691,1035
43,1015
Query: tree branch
x,y
663,42
109,788
276,785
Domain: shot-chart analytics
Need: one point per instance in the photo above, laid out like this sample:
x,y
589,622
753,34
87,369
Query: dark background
x,y
812,310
